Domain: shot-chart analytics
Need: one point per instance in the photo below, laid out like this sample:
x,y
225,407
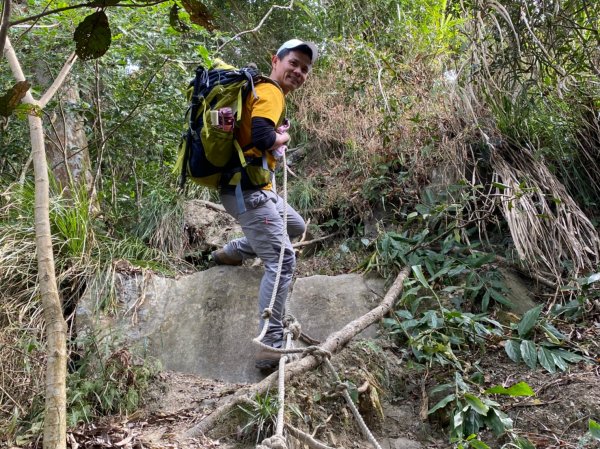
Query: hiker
x,y
262,220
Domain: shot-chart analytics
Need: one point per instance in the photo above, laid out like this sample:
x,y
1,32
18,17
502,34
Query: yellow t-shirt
x,y
269,104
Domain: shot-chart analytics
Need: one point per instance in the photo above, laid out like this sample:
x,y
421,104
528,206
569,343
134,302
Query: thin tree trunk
x,y
67,145
4,20
55,421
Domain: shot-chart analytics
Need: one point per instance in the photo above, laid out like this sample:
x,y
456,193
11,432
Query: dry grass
x,y
80,256
23,360
408,118
548,228
370,124
21,321
536,72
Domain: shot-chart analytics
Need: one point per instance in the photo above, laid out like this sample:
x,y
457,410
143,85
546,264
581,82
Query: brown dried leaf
x,y
11,99
199,13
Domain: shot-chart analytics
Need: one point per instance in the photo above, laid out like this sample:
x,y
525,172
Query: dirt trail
x,y
393,406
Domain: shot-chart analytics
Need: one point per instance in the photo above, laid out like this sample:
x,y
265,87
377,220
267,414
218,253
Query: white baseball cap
x,y
295,43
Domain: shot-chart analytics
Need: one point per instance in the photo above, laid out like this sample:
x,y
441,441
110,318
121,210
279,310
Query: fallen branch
x,y
303,238
310,242
334,343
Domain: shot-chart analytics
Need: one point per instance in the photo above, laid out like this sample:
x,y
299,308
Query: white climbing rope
x,y
293,331
267,313
281,386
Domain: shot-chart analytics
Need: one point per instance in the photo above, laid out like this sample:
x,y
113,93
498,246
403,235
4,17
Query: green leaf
x,y
485,302
592,278
568,356
528,353
460,383
92,36
495,423
478,444
477,377
417,270
499,298
307,10
457,420
481,260
476,404
441,404
559,361
473,422
528,321
518,389
390,323
513,350
433,320
352,391
553,333
546,359
405,314
500,186
497,389
523,443
12,98
594,429
205,55
409,324
440,387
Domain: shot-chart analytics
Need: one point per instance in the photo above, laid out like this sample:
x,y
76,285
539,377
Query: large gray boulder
x,y
204,323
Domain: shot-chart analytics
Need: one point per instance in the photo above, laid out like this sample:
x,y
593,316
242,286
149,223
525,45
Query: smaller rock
x,y
207,227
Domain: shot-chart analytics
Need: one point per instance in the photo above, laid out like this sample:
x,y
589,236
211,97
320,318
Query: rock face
x,y
204,323
324,304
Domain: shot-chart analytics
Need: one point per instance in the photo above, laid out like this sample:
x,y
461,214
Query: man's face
x,y
291,71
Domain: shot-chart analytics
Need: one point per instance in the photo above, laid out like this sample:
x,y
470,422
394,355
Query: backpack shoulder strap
x,y
266,79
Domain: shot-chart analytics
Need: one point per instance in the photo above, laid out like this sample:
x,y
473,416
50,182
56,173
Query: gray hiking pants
x,y
262,223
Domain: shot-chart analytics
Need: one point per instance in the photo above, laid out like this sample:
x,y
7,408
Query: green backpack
x,y
209,154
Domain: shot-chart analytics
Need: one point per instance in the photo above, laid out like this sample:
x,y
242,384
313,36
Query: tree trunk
x,y
55,421
65,139
67,145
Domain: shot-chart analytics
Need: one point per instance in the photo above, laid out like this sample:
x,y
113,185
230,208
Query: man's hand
x,y
281,139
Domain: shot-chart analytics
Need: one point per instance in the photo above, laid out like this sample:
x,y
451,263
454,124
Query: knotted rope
x,y
268,312
274,442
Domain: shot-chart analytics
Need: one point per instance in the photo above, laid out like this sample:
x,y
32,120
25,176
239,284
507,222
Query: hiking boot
x,y
222,258
268,361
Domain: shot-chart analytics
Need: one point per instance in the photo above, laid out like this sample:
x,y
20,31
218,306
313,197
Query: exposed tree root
x,y
212,205
334,343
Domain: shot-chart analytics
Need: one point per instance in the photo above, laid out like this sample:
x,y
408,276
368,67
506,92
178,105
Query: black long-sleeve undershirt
x,y
263,133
